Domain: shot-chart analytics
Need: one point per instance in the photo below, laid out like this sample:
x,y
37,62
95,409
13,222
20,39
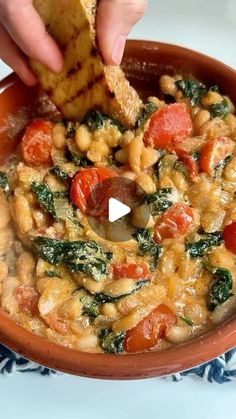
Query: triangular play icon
x,y
117,210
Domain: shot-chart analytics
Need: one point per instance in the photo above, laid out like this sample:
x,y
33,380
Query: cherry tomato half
x,y
37,143
169,126
213,152
229,236
85,194
130,270
175,222
27,299
144,336
60,326
189,162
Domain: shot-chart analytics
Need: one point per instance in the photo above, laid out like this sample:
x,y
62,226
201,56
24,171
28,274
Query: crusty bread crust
x,y
85,83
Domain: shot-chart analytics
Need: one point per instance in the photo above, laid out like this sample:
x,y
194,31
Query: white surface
x,y
4,70
208,26
116,210
64,397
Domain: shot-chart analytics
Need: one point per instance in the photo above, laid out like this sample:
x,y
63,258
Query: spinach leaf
x,y
4,185
65,211
90,306
223,163
59,173
78,159
111,343
192,89
147,246
105,298
220,109
195,91
60,194
181,167
78,256
76,222
148,109
214,89
74,218
159,201
95,120
196,156
70,129
162,164
185,320
44,196
52,274
199,248
221,290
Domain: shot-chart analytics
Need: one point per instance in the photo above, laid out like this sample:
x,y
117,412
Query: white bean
x,y
87,343
224,311
23,214
59,136
8,301
177,334
25,268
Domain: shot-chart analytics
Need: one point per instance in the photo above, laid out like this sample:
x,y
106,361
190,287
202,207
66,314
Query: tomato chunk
x,y
27,299
214,152
130,270
37,143
91,201
229,236
144,336
189,162
169,126
175,222
57,324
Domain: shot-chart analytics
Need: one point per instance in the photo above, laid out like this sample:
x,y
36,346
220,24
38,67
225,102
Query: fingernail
x,y
118,49
56,67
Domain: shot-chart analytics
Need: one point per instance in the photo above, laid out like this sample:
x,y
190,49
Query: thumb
x,y
115,19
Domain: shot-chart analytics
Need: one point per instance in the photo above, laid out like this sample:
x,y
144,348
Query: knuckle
x,y
7,9
132,9
137,8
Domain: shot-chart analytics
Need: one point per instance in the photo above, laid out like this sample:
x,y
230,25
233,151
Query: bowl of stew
x,y
80,299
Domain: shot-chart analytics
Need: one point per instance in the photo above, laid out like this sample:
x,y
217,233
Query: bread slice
x,y
85,83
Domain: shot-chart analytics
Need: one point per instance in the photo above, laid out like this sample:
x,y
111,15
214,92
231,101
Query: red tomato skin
x,y
82,185
37,143
189,162
169,126
56,324
130,270
213,152
175,222
144,336
27,299
229,236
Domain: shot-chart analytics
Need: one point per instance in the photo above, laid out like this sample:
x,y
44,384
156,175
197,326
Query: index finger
x,y
28,31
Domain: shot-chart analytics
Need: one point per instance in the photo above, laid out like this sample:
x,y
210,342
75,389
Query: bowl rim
x,y
117,367
129,366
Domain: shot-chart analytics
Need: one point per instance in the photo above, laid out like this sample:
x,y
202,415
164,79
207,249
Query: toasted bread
x,y
85,82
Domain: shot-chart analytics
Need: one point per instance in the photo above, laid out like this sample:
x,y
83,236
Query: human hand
x,y
115,19
23,34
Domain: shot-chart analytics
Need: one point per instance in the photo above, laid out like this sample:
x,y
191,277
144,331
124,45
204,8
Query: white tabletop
x,y
208,26
65,397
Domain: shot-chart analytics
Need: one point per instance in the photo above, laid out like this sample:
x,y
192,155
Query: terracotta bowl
x,y
144,62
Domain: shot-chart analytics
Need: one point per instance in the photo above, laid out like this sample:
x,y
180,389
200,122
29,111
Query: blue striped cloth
x,y
221,370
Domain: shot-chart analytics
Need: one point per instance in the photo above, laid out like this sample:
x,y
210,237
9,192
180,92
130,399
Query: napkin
x,y
221,370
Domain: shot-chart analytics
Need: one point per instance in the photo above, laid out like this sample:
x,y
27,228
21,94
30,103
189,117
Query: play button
x,y
117,210
113,207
